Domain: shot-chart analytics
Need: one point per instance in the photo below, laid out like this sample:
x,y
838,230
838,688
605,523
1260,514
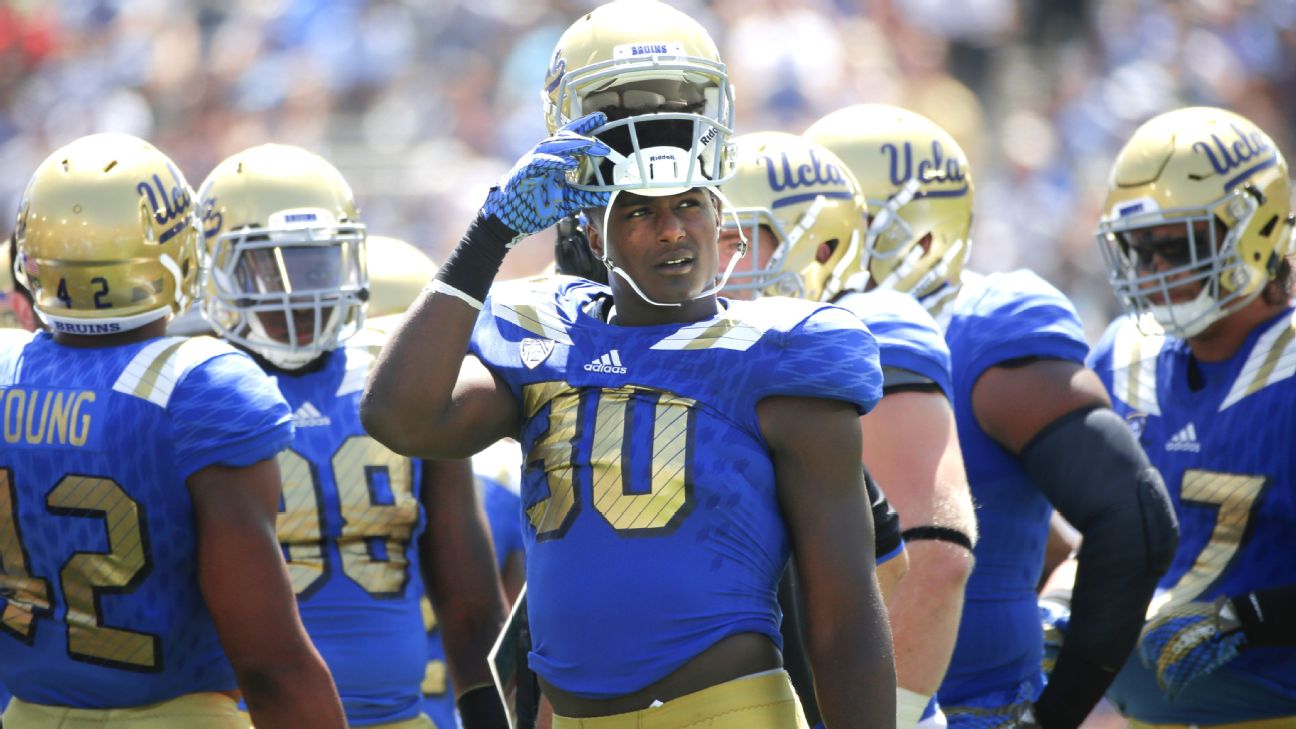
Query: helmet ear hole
x,y
1267,231
825,251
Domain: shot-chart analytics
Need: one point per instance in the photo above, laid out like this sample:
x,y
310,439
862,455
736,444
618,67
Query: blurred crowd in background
x,y
423,103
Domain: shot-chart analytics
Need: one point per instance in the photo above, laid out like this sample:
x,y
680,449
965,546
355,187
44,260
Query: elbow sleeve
x,y
1097,476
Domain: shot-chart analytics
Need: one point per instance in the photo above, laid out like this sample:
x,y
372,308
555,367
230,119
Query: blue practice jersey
x,y
349,525
908,337
504,516
648,488
998,318
101,603
1225,453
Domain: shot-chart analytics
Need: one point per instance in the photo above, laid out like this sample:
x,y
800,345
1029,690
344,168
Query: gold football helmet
x,y
657,75
107,236
916,181
803,214
1206,191
397,274
284,263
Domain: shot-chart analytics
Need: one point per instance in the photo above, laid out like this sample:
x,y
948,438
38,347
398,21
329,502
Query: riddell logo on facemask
x,y
609,363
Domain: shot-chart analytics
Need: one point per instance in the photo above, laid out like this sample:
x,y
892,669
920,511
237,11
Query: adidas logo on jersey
x,y
609,363
309,416
1184,440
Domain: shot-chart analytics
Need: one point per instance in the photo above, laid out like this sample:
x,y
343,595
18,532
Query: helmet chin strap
x,y
733,259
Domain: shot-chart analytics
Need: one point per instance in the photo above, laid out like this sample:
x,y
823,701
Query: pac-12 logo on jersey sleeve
x,y
534,351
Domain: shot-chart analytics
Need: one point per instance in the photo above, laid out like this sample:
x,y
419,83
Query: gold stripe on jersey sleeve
x,y
1134,367
151,374
1272,360
725,333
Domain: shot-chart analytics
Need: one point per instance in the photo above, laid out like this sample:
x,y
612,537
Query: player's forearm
x,y
296,693
409,395
925,612
853,667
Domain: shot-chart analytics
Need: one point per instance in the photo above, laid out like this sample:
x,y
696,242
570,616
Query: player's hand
x,y
1055,615
1185,643
535,194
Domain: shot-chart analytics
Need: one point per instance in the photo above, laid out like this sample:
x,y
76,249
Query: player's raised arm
x,y
822,495
245,584
424,397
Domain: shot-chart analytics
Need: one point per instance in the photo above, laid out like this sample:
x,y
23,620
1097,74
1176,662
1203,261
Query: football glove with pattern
x,y
1185,643
535,194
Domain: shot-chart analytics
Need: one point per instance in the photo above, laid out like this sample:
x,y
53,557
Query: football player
x,y
669,472
1036,431
138,482
1196,233
363,529
804,220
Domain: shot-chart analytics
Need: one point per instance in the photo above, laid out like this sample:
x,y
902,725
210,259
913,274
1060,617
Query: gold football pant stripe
x,y
419,722
759,702
1284,722
191,711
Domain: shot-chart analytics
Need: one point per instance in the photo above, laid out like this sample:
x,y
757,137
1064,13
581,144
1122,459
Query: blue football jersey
x,y
1225,453
349,525
99,586
908,337
648,488
998,318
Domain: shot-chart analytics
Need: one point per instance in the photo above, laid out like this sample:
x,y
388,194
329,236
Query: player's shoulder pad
x,y
744,323
1001,294
1126,355
545,306
154,371
1271,360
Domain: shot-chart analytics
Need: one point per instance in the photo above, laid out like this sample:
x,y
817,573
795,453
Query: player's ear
x,y
592,232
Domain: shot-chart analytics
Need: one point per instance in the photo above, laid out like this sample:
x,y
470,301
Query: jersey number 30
x,y
648,495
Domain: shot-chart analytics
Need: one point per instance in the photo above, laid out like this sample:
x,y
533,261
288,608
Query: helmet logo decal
x,y
934,168
813,174
212,220
557,69
175,203
1228,155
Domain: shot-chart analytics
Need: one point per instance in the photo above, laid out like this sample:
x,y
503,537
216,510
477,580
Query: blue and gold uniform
x,y
349,526
99,587
997,319
1221,437
908,338
648,489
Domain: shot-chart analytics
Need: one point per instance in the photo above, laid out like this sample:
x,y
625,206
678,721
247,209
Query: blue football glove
x,y
535,194
1185,643
1055,615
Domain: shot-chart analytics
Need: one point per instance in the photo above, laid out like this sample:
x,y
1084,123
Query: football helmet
x,y
1207,191
918,188
657,75
803,214
398,272
107,236
283,270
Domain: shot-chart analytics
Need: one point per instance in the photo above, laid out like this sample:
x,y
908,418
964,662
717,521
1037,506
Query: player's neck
x,y
152,330
1225,337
